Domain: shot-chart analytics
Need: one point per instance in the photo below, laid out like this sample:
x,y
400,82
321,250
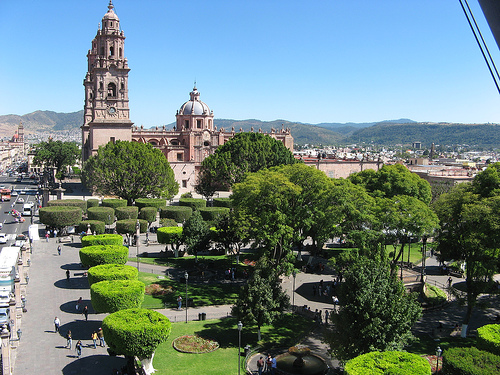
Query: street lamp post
x,y
137,234
240,327
294,274
439,351
186,275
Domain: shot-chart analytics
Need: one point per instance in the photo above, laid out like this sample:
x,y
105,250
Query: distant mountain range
x,y
389,132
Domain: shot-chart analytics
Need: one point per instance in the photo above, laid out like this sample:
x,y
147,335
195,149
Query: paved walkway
x,y
49,294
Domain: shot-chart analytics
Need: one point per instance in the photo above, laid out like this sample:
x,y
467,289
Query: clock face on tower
x,y
111,110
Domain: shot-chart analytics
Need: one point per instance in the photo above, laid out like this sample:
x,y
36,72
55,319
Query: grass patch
x,y
202,294
426,345
285,332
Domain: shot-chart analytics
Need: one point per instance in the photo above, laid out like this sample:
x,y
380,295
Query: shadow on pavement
x,y
80,330
94,364
72,283
72,267
306,292
70,307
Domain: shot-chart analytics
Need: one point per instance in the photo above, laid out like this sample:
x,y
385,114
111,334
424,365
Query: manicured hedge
x,y
168,235
150,202
60,216
194,203
92,202
488,338
211,213
127,212
113,295
91,256
102,239
168,223
128,226
135,332
470,361
96,226
113,203
106,214
111,272
223,202
148,213
69,202
177,213
394,362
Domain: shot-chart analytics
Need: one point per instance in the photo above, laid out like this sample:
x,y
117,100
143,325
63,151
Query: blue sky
x,y
306,61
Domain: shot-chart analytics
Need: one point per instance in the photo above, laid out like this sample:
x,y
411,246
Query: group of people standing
x,y
267,366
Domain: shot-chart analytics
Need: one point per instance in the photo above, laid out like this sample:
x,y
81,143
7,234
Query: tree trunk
x,y
147,363
258,333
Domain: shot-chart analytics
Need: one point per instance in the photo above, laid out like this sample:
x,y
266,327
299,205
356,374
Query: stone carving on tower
x,y
106,109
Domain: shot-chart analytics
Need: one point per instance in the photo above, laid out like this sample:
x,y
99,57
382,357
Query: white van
x,y
27,209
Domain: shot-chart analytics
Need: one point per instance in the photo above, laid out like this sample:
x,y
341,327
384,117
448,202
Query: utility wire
x,y
483,47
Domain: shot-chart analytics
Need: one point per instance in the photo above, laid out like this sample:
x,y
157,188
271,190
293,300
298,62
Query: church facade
x,y
106,112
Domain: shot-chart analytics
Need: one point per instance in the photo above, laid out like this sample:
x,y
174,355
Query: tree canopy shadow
x,y
306,291
72,283
80,329
98,364
70,307
72,267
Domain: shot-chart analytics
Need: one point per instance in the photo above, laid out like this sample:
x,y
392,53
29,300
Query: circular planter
x,y
194,344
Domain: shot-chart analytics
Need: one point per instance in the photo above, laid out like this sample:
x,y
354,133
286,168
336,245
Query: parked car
x,y
4,298
5,316
3,238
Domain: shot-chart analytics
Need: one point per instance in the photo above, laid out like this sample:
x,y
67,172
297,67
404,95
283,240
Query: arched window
x,y
174,142
102,51
112,90
121,52
122,86
111,51
206,143
153,143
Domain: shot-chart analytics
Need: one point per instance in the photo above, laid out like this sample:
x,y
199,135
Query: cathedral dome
x,y
194,106
110,15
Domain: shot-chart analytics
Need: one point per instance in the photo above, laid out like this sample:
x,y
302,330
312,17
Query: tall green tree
x,y
244,153
56,154
195,234
375,314
262,299
392,180
130,170
469,233
264,207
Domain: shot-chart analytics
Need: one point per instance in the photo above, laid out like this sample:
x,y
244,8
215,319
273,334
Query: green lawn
x,y
285,332
202,294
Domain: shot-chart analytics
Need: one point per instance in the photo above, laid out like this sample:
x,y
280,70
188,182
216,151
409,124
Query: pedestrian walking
x,y
78,348
274,365
94,339
327,315
269,362
179,303
100,335
59,249
86,313
47,236
78,303
67,275
69,340
57,324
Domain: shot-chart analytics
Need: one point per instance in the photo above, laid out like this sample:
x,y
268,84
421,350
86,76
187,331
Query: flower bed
x,y
194,344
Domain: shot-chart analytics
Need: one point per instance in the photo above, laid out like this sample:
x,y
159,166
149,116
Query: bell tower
x,y
106,109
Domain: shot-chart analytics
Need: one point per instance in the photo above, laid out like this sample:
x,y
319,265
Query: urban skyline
x,y
307,62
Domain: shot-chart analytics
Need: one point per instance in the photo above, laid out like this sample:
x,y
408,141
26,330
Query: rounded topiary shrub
x,y
102,239
148,213
113,295
69,202
223,202
488,338
96,226
127,212
168,223
111,272
150,202
470,361
135,332
211,213
393,362
92,202
194,203
168,235
60,216
128,226
177,213
105,214
113,202
91,256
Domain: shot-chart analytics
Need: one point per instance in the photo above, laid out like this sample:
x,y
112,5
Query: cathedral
x,y
107,113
